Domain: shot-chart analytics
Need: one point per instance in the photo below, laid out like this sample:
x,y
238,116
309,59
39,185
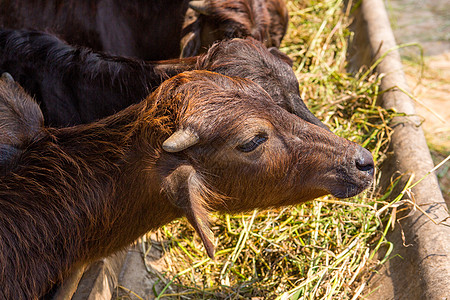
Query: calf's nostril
x,y
364,161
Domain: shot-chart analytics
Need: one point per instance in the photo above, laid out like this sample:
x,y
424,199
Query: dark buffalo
x,y
147,29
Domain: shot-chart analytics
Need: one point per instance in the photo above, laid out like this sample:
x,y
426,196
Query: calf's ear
x,y
185,189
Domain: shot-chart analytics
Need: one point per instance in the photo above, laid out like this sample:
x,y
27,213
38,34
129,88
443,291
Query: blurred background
x,y
427,68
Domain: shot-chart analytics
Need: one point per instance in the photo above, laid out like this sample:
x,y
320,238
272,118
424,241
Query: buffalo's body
x,y
146,29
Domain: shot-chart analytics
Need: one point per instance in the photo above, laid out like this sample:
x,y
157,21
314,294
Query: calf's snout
x,y
364,161
352,174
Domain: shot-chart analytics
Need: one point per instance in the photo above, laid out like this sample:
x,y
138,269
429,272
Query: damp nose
x,y
364,162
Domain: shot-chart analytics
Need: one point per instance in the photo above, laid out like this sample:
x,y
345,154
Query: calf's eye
x,y
253,143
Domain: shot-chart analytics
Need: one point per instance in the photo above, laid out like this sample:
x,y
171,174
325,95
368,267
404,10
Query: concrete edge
x,y
420,267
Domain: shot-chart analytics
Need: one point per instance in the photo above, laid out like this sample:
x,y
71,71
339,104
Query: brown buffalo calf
x,y
201,142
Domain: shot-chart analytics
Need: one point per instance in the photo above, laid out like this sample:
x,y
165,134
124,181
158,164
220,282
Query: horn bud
x,y
180,140
199,6
7,77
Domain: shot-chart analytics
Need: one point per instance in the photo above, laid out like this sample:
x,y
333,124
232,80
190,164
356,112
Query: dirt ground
x,y
427,23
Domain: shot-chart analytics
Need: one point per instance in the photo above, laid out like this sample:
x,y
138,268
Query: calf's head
x,y
270,68
208,21
233,149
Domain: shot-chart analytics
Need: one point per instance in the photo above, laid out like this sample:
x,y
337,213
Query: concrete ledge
x,y
421,270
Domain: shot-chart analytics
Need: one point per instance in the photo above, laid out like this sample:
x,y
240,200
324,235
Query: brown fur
x,y
80,193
